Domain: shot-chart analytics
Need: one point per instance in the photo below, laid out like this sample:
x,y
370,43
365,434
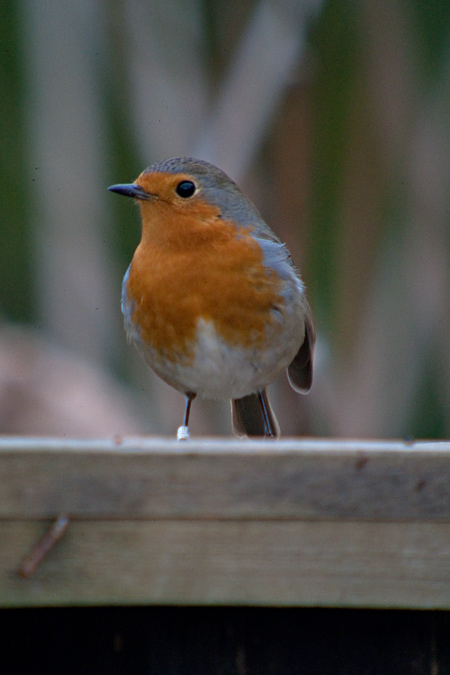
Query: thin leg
x,y
270,424
183,432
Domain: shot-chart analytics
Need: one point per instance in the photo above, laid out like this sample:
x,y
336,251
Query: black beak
x,y
131,190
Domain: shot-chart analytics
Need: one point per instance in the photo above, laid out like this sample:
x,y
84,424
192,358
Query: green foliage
x,y
15,174
335,49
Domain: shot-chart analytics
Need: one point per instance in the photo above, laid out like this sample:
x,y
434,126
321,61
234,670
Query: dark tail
x,y
253,416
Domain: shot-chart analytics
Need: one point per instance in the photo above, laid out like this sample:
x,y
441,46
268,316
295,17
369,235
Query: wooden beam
x,y
231,563
158,478
294,522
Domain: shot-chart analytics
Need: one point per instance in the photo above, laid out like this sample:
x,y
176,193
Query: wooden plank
x,y
226,562
152,521
292,479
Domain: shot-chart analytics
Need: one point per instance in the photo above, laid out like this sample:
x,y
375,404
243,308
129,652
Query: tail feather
x,y
253,416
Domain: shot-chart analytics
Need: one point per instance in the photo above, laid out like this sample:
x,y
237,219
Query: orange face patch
x,y
192,264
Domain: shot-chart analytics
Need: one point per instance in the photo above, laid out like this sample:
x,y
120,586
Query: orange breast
x,y
187,268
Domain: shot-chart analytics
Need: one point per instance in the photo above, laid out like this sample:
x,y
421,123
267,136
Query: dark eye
x,y
185,189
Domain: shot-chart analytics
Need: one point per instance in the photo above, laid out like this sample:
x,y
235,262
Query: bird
x,y
212,299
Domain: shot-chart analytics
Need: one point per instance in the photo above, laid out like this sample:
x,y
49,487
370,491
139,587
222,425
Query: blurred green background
x,y
334,117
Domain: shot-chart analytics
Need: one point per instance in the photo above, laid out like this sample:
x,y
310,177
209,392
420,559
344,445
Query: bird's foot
x,y
183,434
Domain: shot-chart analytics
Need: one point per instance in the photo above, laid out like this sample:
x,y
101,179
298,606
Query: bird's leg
x,y
183,432
270,424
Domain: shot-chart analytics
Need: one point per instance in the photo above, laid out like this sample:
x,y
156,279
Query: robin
x,y
212,299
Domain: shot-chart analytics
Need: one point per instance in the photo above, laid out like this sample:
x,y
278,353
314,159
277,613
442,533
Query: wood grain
x,y
237,563
157,478
214,522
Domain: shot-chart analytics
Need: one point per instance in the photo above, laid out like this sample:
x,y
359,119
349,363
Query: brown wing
x,y
300,372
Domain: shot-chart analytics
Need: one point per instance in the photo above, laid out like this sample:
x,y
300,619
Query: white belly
x,y
218,371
